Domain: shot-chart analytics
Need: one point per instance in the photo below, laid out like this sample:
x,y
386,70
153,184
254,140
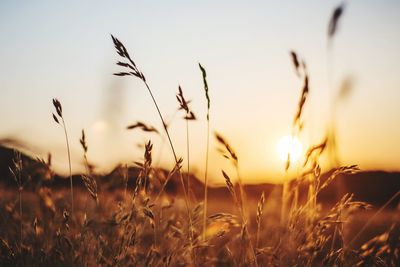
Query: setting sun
x,y
289,145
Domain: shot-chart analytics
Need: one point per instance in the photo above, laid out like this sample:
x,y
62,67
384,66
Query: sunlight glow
x,y
289,145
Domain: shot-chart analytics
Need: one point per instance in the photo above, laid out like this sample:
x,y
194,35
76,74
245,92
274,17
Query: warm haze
x,y
218,133
64,50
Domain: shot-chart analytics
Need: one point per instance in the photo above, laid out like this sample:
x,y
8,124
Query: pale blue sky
x,y
52,49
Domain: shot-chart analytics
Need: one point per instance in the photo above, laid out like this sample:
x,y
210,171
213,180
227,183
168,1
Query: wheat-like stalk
x,y
260,209
132,70
142,126
297,125
189,116
88,179
244,232
228,152
58,107
204,76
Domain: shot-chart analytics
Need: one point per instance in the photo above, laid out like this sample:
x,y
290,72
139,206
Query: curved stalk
x,y
69,165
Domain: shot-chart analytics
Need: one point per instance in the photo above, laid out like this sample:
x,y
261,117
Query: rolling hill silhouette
x,y
374,187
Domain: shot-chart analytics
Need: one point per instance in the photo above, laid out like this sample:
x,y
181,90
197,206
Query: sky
x,y
51,49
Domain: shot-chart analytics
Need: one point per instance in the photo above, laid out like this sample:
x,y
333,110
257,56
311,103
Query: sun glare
x,y
289,145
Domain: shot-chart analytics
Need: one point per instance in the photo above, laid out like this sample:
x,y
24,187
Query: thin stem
x,y
170,143
188,159
176,161
242,197
162,137
69,165
163,121
206,182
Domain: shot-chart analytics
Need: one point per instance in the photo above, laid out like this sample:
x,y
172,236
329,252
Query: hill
x,y
374,187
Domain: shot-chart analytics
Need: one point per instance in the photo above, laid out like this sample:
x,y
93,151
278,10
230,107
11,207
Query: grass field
x,y
147,216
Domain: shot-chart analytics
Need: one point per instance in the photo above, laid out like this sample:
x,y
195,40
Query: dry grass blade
x,y
55,118
230,187
260,209
297,122
333,23
82,141
88,179
228,148
342,170
144,127
302,101
147,154
184,105
295,61
203,71
91,186
175,170
130,68
317,149
145,169
204,75
121,50
58,107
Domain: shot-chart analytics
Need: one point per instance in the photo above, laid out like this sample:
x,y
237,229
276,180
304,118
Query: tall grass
x,y
148,228
132,70
88,178
204,76
59,119
229,153
189,116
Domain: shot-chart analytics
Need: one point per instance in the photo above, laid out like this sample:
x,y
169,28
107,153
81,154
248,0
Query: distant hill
x,y
375,187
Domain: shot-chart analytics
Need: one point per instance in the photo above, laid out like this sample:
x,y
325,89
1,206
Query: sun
x,y
289,145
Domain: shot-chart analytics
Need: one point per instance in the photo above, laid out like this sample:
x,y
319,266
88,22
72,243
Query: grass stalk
x,y
173,151
188,157
206,182
132,70
69,166
204,75
57,105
